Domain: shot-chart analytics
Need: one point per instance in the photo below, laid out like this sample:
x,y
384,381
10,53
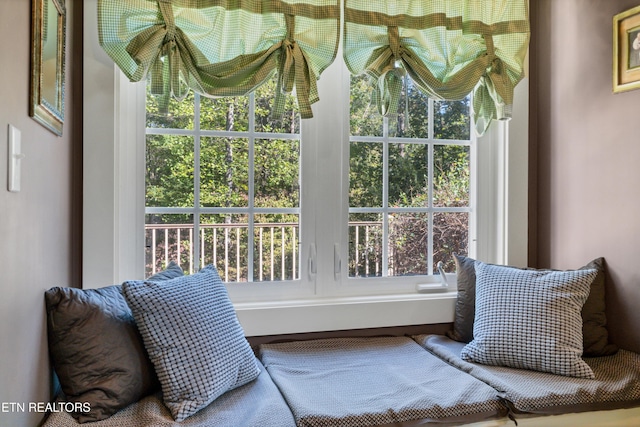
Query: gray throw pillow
x,y
530,319
595,334
172,271
193,337
96,349
465,310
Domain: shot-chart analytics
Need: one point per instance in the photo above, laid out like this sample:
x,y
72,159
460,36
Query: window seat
x,y
526,361
258,403
400,381
616,383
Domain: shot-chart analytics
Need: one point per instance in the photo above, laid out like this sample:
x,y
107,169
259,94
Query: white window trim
x,y
113,217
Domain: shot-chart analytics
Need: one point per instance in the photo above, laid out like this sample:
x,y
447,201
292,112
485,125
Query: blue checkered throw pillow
x,y
193,337
530,319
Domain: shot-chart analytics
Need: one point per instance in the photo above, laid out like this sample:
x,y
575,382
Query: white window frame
x,y
113,217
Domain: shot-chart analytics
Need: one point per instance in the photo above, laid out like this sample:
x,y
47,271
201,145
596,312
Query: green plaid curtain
x,y
230,47
448,47
222,47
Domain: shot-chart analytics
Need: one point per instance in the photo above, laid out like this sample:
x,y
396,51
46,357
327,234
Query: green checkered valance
x,y
448,48
222,47
229,47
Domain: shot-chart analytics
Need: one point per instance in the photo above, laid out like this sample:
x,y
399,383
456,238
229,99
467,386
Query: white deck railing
x,y
275,249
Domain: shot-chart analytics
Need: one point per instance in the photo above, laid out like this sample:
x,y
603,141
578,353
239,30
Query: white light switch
x,y
15,158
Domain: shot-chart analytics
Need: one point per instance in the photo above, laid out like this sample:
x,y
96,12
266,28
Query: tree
x,y
223,172
408,184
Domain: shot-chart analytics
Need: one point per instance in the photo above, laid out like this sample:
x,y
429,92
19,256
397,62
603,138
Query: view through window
x,y
223,185
409,198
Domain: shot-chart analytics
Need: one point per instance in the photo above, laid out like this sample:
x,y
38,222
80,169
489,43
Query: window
x,y
224,182
223,187
114,218
410,181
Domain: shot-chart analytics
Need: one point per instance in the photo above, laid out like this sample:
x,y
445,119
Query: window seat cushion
x,y
392,381
374,381
258,403
616,384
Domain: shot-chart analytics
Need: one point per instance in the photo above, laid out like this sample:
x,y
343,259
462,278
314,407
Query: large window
x,y
328,292
226,181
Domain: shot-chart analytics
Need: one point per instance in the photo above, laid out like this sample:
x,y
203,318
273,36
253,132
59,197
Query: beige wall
x,y
38,233
587,153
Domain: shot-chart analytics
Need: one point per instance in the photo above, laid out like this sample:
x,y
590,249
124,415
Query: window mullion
x,y
385,197
430,165
195,240
251,178
325,143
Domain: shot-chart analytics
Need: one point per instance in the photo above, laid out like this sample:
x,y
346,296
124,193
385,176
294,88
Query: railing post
x,y
191,251
215,246
178,245
282,252
271,255
202,256
153,251
226,254
366,250
357,272
294,246
166,247
261,253
237,254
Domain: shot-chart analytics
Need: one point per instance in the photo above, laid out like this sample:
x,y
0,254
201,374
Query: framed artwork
x,y
626,50
47,63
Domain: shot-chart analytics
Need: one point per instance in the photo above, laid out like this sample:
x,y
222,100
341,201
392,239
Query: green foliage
x,y
364,117
224,173
408,175
452,119
365,174
408,180
180,116
224,177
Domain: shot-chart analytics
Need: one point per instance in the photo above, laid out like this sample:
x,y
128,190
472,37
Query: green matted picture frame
x,y
626,50
48,31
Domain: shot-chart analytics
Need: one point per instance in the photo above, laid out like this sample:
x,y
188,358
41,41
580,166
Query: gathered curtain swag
x,y
230,47
449,48
222,47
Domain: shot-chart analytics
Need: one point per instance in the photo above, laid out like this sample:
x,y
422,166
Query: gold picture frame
x,y
48,23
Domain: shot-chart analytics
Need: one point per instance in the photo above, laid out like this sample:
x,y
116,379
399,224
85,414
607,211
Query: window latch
x,y
313,268
435,287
